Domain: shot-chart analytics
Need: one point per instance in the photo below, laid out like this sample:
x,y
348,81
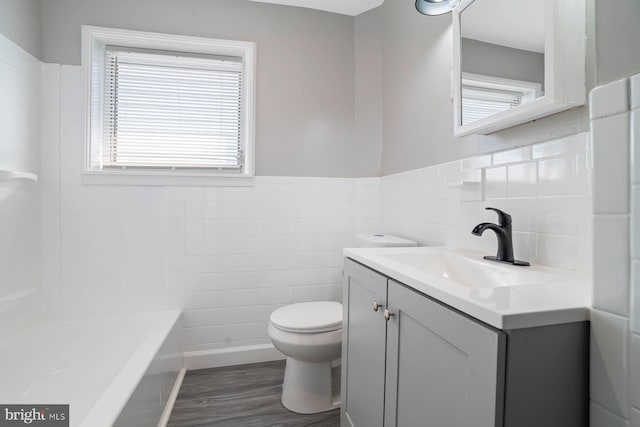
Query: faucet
x,y
505,239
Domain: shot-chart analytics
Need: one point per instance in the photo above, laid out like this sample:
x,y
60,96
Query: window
x,y
483,96
167,110
163,105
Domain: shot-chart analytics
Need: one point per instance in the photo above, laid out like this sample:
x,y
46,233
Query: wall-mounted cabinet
x,y
514,62
410,360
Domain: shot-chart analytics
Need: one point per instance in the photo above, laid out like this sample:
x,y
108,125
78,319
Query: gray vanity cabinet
x,y
441,367
364,346
426,362
411,361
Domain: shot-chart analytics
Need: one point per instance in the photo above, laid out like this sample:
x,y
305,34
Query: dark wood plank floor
x,y
240,396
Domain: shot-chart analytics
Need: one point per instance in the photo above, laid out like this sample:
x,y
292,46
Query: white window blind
x,y
483,96
478,103
172,110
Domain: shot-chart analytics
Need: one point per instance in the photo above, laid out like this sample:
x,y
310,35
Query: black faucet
x,y
505,239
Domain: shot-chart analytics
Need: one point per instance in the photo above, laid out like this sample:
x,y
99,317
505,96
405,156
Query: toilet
x,y
310,335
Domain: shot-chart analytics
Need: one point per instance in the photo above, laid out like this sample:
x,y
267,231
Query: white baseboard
x,y
231,356
166,414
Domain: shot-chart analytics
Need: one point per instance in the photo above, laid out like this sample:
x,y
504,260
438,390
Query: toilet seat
x,y
308,317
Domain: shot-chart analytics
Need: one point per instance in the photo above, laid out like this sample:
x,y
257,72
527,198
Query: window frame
x,y
94,42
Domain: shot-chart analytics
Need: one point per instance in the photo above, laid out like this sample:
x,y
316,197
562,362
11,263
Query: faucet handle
x,y
504,218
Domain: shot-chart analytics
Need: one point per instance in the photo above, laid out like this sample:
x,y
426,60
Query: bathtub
x,y
117,370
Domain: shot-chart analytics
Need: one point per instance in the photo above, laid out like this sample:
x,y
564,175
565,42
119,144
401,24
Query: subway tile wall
x,y
21,290
236,254
545,187
633,269
615,330
229,256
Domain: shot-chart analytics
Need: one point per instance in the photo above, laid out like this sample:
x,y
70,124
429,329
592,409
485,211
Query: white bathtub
x,y
116,370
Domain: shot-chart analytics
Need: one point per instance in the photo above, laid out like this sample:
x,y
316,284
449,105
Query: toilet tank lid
x,y
308,316
384,240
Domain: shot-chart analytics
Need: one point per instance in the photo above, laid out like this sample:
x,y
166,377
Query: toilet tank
x,y
382,241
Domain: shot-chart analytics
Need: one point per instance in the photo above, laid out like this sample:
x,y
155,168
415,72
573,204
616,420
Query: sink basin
x,y
501,295
468,271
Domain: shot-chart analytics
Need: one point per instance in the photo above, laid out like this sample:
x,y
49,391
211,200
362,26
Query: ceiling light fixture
x,y
435,7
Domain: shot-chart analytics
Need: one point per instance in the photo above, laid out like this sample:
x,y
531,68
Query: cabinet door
x,y
443,369
363,347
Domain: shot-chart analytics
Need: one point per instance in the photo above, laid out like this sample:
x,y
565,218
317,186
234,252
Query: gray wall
x,y
308,122
21,21
617,38
501,61
305,81
417,106
368,93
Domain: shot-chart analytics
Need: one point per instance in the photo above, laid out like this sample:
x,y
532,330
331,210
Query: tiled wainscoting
x,y
229,256
615,320
20,281
236,254
545,187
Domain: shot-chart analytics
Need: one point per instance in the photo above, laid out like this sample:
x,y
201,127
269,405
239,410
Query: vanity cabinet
x,y
409,360
364,347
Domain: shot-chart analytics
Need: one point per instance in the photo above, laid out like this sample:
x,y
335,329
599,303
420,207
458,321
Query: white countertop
x,y
562,297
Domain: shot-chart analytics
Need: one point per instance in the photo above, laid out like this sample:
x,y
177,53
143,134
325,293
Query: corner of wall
x,y
615,323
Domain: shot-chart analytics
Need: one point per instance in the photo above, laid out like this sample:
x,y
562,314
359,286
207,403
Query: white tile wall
x,y
609,99
611,184
611,271
236,254
230,256
609,362
227,256
20,279
635,249
615,350
545,187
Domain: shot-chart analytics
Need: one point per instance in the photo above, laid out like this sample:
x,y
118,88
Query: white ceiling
x,y
345,7
518,24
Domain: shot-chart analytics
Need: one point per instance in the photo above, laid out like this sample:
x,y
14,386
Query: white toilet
x,y
310,335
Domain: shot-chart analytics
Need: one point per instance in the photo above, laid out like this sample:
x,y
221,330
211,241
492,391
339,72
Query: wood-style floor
x,y
240,396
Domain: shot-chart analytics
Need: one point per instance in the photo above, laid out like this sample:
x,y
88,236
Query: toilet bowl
x,y
310,335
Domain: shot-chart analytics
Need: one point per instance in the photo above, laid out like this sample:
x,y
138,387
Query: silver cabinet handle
x,y
388,314
376,306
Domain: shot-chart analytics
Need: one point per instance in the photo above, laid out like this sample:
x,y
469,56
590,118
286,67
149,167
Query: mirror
x,y
515,61
502,63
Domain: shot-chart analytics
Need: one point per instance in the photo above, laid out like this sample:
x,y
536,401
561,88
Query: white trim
x,y
231,356
143,178
492,82
94,40
565,47
166,414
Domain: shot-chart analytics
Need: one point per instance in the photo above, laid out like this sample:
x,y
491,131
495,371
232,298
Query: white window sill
x,y
144,178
